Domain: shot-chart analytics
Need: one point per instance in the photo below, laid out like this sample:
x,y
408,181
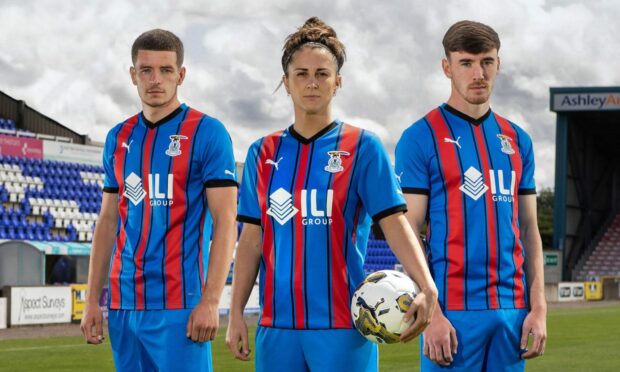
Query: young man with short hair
x,y
469,173
169,176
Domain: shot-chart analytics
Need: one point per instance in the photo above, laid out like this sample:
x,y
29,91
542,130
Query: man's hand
x,y
535,325
237,338
440,340
422,308
203,322
92,323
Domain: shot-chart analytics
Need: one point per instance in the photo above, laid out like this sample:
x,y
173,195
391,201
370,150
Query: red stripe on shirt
x,y
492,232
517,253
178,209
455,296
299,239
119,174
340,185
146,221
263,171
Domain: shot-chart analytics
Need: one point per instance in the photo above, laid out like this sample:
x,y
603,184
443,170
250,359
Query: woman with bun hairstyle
x,y
307,199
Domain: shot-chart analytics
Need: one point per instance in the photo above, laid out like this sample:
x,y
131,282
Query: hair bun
x,y
316,31
313,22
315,28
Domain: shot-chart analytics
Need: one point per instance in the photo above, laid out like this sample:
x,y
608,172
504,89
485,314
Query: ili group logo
x,y
474,185
281,206
315,210
159,195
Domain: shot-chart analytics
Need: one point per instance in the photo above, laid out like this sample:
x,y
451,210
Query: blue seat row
x,y
7,124
19,233
32,164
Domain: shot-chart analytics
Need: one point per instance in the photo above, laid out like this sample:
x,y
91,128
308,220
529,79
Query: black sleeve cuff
x,y
390,211
415,190
221,183
246,219
111,190
527,191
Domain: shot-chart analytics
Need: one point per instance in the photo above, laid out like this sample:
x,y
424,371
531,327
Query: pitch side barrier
x,y
30,305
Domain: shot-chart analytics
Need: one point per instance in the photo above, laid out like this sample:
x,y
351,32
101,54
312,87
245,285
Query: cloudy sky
x,y
69,59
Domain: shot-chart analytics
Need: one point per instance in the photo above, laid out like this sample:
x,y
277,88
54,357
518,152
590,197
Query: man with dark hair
x,y
161,40
169,176
469,173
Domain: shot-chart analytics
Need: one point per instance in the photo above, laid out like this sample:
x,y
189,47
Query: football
x,y
379,304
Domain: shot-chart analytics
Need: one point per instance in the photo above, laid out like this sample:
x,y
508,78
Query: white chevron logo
x,y
281,206
133,189
474,186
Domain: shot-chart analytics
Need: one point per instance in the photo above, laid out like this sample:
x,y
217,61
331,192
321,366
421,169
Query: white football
x,y
379,304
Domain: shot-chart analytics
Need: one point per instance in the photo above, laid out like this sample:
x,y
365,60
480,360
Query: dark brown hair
x,y
313,31
471,37
159,40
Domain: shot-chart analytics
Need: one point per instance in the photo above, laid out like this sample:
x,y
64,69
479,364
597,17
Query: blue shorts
x,y
151,340
488,340
314,350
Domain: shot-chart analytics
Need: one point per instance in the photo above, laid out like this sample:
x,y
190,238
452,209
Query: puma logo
x,y
125,145
274,163
450,140
398,176
226,171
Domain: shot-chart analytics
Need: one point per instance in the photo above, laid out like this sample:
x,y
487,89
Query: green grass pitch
x,y
581,339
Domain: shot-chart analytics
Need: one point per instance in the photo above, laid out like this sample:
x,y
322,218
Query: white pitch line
x,y
40,347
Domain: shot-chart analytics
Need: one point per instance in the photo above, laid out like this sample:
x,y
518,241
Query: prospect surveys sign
x,y
40,305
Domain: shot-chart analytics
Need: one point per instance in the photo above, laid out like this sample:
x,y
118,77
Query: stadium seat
x,y
11,232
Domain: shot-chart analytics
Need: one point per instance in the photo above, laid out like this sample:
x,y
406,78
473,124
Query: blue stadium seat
x,y
25,206
48,219
10,232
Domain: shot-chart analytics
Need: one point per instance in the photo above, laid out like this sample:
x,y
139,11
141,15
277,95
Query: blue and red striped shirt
x,y
314,199
160,172
473,171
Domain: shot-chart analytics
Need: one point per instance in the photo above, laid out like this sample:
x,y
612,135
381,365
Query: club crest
x,y
334,164
506,146
174,149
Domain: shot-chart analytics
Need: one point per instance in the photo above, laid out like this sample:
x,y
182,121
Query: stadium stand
x,y
7,124
48,200
604,260
7,127
379,256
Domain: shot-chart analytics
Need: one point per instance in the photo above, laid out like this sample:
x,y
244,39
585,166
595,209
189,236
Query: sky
x,y
70,60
